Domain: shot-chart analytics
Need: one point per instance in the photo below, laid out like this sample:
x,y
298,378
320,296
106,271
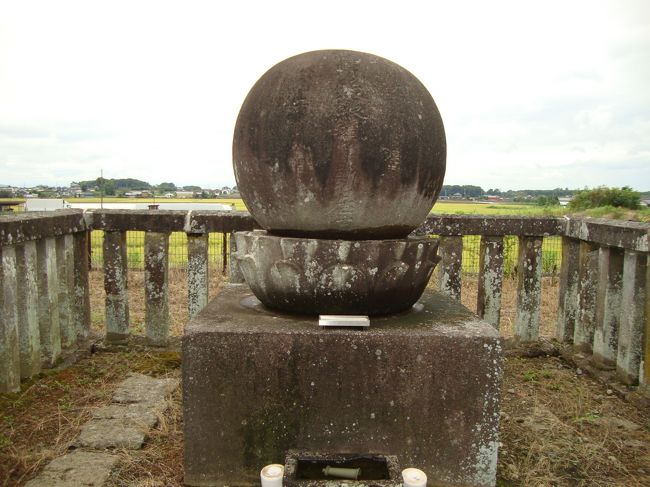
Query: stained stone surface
x,y
339,144
423,385
100,434
139,388
75,469
137,413
318,276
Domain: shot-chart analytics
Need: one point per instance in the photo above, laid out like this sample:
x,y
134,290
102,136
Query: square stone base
x,y
423,385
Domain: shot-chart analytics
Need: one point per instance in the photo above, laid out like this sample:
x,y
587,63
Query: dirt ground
x,y
41,421
559,427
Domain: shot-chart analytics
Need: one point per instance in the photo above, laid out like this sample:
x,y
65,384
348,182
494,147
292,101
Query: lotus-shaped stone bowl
x,y
318,276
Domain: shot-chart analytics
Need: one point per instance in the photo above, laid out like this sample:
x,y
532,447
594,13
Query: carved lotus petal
x,y
319,276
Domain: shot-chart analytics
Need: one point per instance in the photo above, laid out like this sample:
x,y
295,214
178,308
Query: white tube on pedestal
x,y
271,475
414,477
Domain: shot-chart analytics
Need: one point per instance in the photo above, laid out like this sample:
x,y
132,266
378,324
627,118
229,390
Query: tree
x,y
109,187
166,187
624,197
467,190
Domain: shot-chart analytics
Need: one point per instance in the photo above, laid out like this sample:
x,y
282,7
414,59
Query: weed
x,y
590,417
531,376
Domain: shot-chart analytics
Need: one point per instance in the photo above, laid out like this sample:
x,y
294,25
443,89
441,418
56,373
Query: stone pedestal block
x,y
422,385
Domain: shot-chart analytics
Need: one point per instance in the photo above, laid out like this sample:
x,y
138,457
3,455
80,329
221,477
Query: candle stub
x,y
414,477
271,475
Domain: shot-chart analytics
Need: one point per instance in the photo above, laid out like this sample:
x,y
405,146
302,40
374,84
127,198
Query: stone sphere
x,y
339,144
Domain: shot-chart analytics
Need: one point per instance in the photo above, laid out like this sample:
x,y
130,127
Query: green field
x,y
448,207
452,207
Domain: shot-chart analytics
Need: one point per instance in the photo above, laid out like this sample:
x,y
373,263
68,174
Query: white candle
x,y
414,477
271,475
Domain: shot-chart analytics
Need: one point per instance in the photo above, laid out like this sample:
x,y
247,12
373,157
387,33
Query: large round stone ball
x,y
339,144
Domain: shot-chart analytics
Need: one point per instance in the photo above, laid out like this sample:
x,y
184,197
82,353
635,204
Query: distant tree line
x,y
111,187
471,191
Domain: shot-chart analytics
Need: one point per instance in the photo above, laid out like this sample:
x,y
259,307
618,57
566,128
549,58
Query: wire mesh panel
x,y
177,249
96,249
215,252
135,250
551,254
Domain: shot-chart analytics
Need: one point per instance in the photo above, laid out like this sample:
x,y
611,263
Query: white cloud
x,y
532,94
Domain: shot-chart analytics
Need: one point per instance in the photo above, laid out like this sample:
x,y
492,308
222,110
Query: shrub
x,y
547,201
624,197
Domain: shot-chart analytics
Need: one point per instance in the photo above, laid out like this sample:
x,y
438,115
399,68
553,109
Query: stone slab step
x,y
76,469
124,424
100,434
139,388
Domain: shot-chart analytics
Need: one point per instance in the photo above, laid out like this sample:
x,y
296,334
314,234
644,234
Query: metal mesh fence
x,y
177,249
551,252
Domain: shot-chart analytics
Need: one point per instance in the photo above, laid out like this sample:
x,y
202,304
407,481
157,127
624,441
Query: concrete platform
x,y
422,385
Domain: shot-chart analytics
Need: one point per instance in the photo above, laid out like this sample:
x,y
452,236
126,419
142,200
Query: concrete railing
x,y
603,302
158,225
44,300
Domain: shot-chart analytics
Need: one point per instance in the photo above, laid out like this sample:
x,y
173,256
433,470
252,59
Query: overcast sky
x,y
533,94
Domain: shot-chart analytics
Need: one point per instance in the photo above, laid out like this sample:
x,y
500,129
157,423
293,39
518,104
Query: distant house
x,y
138,194
493,197
185,194
645,202
169,195
75,189
564,200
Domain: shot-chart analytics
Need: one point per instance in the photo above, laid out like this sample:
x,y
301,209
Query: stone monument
x,y
339,156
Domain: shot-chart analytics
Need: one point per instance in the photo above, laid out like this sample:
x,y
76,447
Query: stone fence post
x,y
156,284
197,272
116,286
529,288
450,266
490,279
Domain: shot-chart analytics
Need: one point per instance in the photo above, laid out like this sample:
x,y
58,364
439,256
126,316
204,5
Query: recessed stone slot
x,y
371,467
306,469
